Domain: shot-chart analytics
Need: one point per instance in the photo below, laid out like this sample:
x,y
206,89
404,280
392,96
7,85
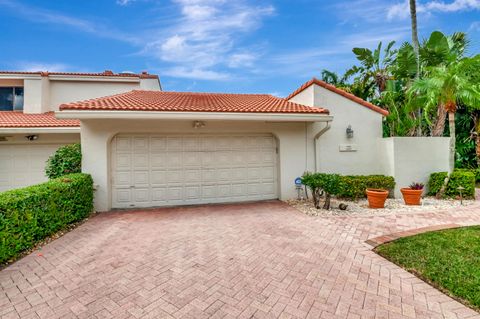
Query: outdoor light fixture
x,y
32,137
349,132
198,124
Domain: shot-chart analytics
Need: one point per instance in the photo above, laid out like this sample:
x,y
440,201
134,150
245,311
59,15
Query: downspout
x,y
315,138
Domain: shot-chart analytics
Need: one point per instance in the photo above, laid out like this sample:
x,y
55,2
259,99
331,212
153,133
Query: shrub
x,y
319,183
354,186
436,182
464,179
475,171
30,214
347,187
66,160
459,177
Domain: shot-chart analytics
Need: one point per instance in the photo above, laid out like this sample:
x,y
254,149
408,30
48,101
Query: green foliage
x,y
448,259
350,187
353,186
460,177
66,160
464,179
321,182
28,215
436,182
465,156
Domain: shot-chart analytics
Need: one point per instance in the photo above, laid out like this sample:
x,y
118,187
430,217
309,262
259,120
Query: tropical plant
x,y
66,160
446,87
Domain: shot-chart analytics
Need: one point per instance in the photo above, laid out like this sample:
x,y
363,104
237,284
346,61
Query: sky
x,y
236,46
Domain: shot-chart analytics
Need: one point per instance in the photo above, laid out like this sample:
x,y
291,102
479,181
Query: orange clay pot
x,y
376,197
412,196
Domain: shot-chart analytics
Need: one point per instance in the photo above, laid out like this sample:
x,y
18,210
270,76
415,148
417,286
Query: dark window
x,y
11,98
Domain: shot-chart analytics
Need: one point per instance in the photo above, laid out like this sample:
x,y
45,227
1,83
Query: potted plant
x,y
376,197
413,193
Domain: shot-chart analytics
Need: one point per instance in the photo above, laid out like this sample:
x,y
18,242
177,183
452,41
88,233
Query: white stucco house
x,y
146,148
29,131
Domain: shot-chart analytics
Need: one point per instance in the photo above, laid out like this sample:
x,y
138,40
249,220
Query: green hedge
x,y
464,179
354,186
475,171
30,214
460,177
436,182
348,187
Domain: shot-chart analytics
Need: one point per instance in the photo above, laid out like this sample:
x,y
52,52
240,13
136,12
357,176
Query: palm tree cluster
x,y
421,90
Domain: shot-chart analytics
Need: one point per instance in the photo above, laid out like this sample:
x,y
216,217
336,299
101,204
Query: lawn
x,y
448,259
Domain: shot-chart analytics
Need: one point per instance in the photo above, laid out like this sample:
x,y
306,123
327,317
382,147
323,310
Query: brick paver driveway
x,y
247,261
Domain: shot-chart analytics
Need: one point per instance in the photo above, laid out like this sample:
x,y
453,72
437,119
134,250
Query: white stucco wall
x,y
413,159
97,135
46,93
367,126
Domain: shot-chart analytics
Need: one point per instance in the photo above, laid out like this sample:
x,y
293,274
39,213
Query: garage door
x,y
160,170
23,164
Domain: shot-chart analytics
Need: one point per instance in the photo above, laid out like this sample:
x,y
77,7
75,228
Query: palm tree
x,y
416,49
448,86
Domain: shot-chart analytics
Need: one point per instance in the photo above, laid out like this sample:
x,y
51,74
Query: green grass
x,y
448,259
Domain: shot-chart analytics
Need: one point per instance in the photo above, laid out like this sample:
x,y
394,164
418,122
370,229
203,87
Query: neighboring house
x,y
29,131
147,149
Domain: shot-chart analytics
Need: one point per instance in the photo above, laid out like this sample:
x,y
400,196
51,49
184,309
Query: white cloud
x,y
206,35
124,2
402,10
40,15
195,73
32,66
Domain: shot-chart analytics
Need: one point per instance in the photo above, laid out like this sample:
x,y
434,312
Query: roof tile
x,y
343,93
13,119
138,100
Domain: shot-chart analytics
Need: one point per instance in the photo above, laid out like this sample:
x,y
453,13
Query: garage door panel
x,y
158,170
158,177
24,164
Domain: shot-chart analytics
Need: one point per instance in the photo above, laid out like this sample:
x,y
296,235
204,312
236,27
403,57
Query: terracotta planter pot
x,y
412,196
376,197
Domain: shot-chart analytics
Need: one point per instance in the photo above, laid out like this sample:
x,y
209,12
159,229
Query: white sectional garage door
x,y
160,170
23,164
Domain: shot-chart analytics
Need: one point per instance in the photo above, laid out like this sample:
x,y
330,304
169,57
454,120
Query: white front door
x,y
159,170
24,164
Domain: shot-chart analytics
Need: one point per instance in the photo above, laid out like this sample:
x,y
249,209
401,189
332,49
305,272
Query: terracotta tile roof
x,y
334,89
13,119
138,100
143,75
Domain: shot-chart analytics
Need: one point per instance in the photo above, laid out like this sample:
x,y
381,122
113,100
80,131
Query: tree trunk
x,y
416,49
326,205
477,148
439,125
451,126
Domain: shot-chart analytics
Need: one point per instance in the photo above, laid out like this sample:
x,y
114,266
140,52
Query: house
x,y
147,149
29,130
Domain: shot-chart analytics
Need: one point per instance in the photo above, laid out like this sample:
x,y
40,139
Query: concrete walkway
x,y
260,260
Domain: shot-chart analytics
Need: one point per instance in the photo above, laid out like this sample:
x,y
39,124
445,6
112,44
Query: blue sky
x,y
215,45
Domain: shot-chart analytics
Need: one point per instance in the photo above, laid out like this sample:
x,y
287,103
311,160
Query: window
x,y
11,98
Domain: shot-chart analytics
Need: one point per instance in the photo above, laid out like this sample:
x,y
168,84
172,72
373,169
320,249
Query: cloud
x,y
40,15
206,35
475,26
32,66
195,73
124,2
402,10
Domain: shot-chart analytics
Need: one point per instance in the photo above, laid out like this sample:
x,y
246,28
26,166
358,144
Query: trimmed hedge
x,y
475,171
67,159
436,182
464,178
29,215
353,186
348,187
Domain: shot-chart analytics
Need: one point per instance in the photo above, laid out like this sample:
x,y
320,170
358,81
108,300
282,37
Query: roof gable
x,y
341,92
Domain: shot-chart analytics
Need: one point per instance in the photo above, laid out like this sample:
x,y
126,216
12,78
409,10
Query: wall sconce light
x,y
349,132
32,137
198,124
